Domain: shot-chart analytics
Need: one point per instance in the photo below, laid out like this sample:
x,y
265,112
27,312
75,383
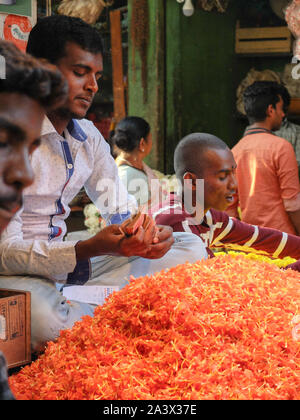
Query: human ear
x,y
270,110
142,145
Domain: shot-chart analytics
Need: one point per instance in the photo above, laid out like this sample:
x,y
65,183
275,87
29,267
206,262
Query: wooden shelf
x,y
265,41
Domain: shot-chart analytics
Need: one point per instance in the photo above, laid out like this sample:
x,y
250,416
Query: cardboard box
x,y
15,333
263,40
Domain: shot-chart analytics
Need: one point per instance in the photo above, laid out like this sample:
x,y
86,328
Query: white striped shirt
x,y
33,242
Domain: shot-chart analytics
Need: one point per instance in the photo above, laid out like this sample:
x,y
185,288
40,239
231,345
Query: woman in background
x,y
130,143
133,139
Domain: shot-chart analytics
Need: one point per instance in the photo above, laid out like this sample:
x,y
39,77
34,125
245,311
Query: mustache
x,y
11,202
88,97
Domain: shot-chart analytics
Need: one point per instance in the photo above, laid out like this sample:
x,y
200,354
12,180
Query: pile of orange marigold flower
x,y
219,329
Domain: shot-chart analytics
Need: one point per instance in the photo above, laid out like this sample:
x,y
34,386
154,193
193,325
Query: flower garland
x,y
279,262
92,219
224,328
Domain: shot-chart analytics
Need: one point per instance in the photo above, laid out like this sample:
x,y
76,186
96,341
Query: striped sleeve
x,y
273,242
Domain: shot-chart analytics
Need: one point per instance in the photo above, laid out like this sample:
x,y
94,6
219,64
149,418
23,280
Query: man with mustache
x,y
202,156
73,154
28,89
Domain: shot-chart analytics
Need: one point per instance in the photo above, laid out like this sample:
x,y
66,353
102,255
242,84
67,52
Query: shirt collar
x,y
73,128
47,127
257,130
200,219
76,131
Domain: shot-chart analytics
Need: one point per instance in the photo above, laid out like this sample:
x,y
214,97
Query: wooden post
x,y
117,66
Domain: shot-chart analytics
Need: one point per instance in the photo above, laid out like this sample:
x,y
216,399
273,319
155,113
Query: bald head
x,y
190,151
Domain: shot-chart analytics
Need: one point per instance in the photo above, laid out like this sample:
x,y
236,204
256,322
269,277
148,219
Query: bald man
x,y
200,209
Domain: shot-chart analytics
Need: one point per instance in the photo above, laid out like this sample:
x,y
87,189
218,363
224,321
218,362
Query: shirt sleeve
x,y
104,186
295,266
271,241
52,260
293,204
287,171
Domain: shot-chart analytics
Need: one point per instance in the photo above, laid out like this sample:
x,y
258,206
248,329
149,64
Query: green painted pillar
x,y
174,81
149,104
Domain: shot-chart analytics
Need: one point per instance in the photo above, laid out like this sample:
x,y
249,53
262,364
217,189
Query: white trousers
x,y
50,311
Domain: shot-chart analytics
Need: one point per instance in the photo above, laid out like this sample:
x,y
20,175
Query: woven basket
x,y
87,10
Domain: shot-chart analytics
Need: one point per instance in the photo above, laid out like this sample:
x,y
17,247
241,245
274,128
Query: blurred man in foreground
x,y
27,90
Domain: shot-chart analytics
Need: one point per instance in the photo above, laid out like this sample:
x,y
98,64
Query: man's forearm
x,y
295,219
105,242
84,250
39,258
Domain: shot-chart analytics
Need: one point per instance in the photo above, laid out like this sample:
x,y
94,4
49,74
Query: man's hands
x,y
142,245
149,241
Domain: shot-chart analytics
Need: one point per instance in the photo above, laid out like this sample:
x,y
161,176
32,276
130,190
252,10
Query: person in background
x,y
28,90
131,143
267,171
289,130
133,138
202,156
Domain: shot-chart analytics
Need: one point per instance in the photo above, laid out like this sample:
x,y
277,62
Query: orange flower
x,y
218,329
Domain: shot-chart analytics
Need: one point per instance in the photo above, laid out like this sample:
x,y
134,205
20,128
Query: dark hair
x,y
129,132
286,97
189,151
49,36
258,96
24,74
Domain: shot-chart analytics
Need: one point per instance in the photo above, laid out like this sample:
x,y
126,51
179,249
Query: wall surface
x,y
193,75
150,104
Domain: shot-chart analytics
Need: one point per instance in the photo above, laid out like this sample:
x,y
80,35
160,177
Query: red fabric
x,y
216,222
